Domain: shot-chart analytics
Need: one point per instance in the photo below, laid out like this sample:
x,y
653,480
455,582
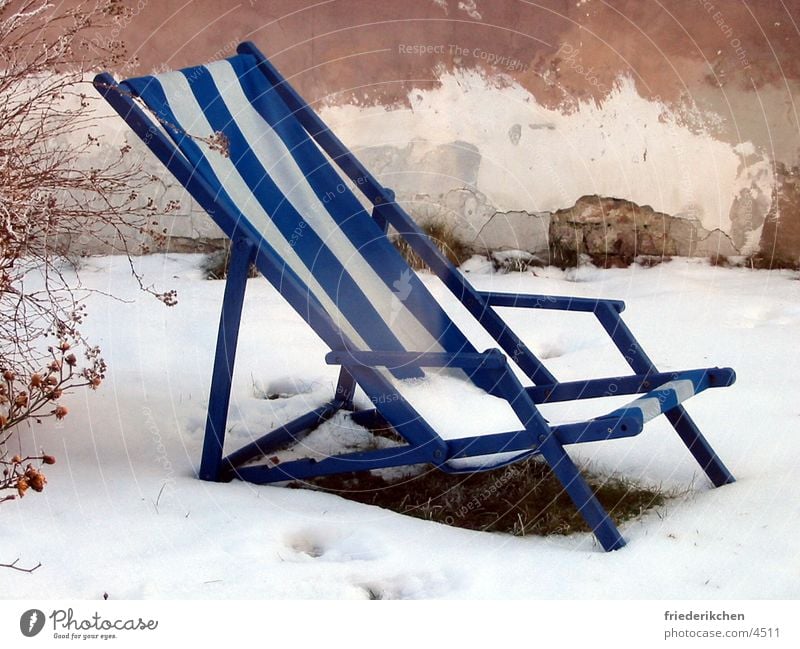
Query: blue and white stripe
x,y
658,401
370,311
277,178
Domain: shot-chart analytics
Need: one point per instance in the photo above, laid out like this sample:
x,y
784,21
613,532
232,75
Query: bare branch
x,y
55,189
13,566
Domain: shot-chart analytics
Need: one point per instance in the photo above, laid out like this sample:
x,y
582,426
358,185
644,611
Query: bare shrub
x,y
53,191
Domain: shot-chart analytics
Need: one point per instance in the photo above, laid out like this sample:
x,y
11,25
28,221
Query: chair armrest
x,y
717,377
629,420
555,302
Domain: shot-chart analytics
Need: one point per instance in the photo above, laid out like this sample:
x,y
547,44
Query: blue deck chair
x,y
278,194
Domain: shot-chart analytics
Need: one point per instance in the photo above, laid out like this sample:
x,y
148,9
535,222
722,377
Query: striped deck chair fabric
x,y
326,238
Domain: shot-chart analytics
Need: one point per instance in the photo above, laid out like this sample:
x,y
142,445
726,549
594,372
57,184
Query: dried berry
x,y
36,479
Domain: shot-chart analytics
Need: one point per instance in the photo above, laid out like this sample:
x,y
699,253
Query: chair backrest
x,y
277,178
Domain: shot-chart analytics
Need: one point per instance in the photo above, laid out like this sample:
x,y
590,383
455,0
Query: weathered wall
x,y
494,115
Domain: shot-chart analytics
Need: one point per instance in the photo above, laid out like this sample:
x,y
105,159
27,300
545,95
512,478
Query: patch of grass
x,y
764,262
717,259
517,265
519,262
520,499
217,263
442,235
563,255
649,261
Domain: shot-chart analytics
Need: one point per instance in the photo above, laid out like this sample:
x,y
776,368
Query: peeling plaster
x,y
629,147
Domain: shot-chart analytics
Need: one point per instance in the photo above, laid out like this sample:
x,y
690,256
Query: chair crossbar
x,y
491,359
716,377
307,468
555,302
283,436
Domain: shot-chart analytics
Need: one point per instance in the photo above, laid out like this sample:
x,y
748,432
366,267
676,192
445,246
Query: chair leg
x,y
345,389
506,385
687,430
699,447
242,253
581,494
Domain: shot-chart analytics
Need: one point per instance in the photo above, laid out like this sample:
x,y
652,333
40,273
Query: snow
x,y
123,512
456,410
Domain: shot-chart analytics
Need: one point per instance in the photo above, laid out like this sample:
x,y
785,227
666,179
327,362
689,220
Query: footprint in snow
x,y
331,544
759,316
421,585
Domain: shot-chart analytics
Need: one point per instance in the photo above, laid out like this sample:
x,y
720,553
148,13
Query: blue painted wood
x,y
687,430
283,436
241,256
581,494
699,447
345,389
317,129
377,212
519,440
555,302
397,411
621,385
347,463
346,384
490,359
614,426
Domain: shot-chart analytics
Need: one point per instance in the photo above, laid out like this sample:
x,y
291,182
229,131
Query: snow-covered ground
x,y
123,512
